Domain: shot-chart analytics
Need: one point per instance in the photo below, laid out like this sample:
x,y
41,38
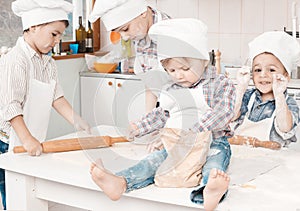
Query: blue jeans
x,y
218,157
3,149
142,174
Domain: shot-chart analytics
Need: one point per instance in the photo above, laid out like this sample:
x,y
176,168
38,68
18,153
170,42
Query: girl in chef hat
x,y
206,102
266,111
29,81
132,19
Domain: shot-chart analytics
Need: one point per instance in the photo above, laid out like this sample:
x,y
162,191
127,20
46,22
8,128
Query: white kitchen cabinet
x,y
111,101
68,75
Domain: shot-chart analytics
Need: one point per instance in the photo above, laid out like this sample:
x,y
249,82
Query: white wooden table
x,y
64,178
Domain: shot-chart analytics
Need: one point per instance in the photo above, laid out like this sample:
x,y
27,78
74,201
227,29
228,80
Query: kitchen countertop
x,y
117,75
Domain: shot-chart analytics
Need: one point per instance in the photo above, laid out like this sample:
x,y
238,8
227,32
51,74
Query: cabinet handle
x,y
110,83
119,85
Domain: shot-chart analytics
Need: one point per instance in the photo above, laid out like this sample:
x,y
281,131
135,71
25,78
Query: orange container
x,y
105,67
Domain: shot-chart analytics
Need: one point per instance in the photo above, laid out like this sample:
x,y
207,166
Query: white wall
x,y
231,23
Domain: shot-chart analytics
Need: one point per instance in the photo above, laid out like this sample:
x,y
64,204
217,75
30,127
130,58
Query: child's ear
x,y
287,76
144,14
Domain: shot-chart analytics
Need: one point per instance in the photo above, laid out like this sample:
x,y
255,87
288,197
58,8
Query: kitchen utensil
x,y
218,61
115,37
105,67
73,144
245,140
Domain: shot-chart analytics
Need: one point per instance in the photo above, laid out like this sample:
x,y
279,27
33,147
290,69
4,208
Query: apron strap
x,y
251,103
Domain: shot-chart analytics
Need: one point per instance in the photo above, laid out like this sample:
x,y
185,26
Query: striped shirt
x,y
262,110
146,52
219,93
15,67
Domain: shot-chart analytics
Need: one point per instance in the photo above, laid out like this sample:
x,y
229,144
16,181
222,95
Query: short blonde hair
x,y
164,62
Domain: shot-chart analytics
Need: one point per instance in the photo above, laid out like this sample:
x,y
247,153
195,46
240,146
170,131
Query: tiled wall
x,y
231,23
10,24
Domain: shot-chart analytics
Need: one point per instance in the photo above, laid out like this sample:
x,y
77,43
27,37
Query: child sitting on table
x,y
266,111
182,46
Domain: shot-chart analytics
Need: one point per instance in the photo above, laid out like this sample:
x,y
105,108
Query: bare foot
x,y
113,186
217,185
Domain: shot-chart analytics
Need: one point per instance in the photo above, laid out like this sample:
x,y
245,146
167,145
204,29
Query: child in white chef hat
x,y
266,111
132,19
182,47
29,81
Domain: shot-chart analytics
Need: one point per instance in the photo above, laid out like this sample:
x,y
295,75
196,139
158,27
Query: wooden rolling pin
x,y
247,140
73,144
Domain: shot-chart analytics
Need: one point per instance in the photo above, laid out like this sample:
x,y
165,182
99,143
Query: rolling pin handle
x,y
19,149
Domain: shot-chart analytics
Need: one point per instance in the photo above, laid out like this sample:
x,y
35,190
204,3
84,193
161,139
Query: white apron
x,y
260,130
187,151
37,107
184,105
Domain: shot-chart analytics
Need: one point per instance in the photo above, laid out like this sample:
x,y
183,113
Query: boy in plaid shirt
x,y
214,102
132,19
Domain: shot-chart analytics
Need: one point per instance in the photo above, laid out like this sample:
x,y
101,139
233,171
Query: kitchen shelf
x,y
79,55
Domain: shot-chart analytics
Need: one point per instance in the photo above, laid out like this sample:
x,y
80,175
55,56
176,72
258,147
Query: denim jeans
x,y
218,157
142,174
3,149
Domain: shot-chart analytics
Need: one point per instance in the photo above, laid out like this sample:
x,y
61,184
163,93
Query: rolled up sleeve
x,y
293,107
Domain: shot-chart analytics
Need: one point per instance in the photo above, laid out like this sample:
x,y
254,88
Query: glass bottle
x,y
89,42
80,37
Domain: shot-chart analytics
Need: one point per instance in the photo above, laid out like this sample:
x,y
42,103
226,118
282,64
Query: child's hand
x,y
33,146
133,131
243,77
81,124
156,143
279,84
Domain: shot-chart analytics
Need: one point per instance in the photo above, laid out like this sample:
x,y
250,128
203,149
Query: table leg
x,y
20,193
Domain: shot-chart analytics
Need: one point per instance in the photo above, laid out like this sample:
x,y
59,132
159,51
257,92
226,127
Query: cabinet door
x,y
129,101
68,74
97,96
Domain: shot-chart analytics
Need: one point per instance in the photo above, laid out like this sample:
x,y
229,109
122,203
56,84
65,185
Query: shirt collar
x,y
32,53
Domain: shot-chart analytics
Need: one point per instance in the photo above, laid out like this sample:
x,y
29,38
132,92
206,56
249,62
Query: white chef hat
x,y
282,45
115,13
184,37
35,12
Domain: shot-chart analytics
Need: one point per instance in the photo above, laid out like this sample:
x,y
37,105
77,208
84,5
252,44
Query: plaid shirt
x,y
145,48
262,110
219,93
